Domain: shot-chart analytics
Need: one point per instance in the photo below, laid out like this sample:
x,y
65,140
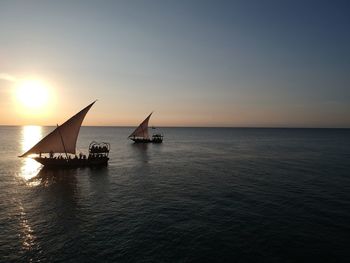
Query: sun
x,y
32,94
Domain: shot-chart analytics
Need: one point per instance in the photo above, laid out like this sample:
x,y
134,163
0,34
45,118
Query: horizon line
x,y
228,127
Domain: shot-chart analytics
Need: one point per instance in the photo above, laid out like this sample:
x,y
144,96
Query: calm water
x,y
203,195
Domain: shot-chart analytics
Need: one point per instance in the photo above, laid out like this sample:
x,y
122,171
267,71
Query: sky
x,y
194,63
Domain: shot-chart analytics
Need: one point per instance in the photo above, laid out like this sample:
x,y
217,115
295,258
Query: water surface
x,y
205,194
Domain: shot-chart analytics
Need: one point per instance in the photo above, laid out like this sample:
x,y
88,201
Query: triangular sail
x,y
142,130
63,138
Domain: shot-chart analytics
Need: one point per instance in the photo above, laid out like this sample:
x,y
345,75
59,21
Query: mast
x,y
64,147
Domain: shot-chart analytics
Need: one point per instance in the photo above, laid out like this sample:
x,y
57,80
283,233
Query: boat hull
x,y
138,140
62,163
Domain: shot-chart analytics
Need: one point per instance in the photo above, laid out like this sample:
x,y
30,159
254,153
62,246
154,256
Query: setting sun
x,y
32,94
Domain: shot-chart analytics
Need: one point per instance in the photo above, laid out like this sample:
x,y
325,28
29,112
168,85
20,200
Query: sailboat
x,y
140,134
58,148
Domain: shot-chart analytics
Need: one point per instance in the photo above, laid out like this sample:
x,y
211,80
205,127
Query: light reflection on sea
x,y
27,234
30,168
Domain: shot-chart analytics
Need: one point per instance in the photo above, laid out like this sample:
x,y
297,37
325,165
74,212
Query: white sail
x,y
142,130
64,138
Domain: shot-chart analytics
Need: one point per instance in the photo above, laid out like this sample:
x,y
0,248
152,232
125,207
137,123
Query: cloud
x,y
7,77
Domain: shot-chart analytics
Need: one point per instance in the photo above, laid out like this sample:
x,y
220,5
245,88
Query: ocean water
x,y
204,195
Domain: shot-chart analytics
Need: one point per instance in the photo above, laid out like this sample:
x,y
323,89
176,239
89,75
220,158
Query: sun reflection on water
x,y
30,136
28,238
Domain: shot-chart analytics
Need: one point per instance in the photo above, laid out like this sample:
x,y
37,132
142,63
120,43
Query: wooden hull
x,y
62,163
138,140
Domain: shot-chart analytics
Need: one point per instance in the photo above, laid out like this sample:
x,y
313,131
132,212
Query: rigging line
x,y
64,147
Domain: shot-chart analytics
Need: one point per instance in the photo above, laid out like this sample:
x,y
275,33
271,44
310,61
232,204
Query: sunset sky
x,y
194,63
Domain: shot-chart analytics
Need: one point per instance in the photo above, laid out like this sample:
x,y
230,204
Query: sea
x,y
203,195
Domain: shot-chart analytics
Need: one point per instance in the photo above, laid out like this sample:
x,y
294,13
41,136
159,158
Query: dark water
x,y
218,195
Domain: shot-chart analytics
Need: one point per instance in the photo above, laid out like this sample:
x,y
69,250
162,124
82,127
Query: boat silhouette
x,y
58,148
141,135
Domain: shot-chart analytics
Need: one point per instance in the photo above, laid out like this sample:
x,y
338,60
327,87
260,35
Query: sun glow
x,y
32,94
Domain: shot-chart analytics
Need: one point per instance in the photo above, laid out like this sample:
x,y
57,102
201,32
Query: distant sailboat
x,y
63,140
140,134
